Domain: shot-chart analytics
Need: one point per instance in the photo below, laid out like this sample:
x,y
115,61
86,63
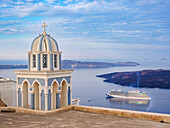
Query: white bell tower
x,y
48,86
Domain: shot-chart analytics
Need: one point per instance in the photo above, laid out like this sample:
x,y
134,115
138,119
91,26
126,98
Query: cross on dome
x,y
44,26
44,42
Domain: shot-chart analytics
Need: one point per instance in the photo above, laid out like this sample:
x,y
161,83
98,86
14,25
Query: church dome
x,y
44,54
44,42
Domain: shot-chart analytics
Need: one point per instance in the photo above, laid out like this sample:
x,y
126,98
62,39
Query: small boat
x,y
128,95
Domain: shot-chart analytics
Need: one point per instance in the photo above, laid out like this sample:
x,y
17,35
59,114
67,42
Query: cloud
x,y
151,2
9,31
163,38
19,3
10,22
3,5
50,1
99,44
68,1
108,26
92,50
123,31
28,9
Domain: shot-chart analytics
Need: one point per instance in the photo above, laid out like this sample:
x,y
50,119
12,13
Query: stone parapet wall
x,y
125,113
116,112
31,111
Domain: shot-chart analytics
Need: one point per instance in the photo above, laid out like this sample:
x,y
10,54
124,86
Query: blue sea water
x,y
12,62
91,90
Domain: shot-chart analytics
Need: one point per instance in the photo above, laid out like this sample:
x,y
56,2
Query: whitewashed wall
x,y
8,92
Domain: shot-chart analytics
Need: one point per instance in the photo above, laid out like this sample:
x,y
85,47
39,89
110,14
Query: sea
x,y
92,91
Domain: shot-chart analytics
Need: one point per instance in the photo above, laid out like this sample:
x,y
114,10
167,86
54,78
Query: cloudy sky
x,y
88,29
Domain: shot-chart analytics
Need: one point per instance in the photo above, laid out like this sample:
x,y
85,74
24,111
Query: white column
x,y
54,100
70,95
67,97
71,90
52,107
22,99
46,102
17,92
57,61
39,101
61,99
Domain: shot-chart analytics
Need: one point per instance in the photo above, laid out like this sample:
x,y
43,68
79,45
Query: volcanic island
x,y
146,79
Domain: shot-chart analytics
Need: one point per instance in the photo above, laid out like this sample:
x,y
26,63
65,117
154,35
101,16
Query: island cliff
x,y
146,78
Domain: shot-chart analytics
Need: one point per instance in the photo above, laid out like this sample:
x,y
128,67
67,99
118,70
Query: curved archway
x,y
36,94
56,96
63,102
25,94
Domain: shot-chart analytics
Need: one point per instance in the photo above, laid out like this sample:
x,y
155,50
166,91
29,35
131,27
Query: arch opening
x,y
25,94
36,95
64,94
55,97
19,97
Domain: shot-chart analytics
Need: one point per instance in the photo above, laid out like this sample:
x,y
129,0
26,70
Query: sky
x,y
88,29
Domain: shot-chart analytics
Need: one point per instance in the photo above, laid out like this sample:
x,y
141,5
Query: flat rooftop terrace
x,y
75,119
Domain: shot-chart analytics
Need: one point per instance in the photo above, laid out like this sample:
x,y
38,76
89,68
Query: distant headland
x,y
146,78
79,64
86,64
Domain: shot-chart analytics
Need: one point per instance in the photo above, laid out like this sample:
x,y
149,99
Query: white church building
x,y
45,85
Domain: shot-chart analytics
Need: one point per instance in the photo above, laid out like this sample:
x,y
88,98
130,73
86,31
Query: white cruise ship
x,y
129,95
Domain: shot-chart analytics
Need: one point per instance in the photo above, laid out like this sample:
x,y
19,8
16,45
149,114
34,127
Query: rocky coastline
x,y
146,78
